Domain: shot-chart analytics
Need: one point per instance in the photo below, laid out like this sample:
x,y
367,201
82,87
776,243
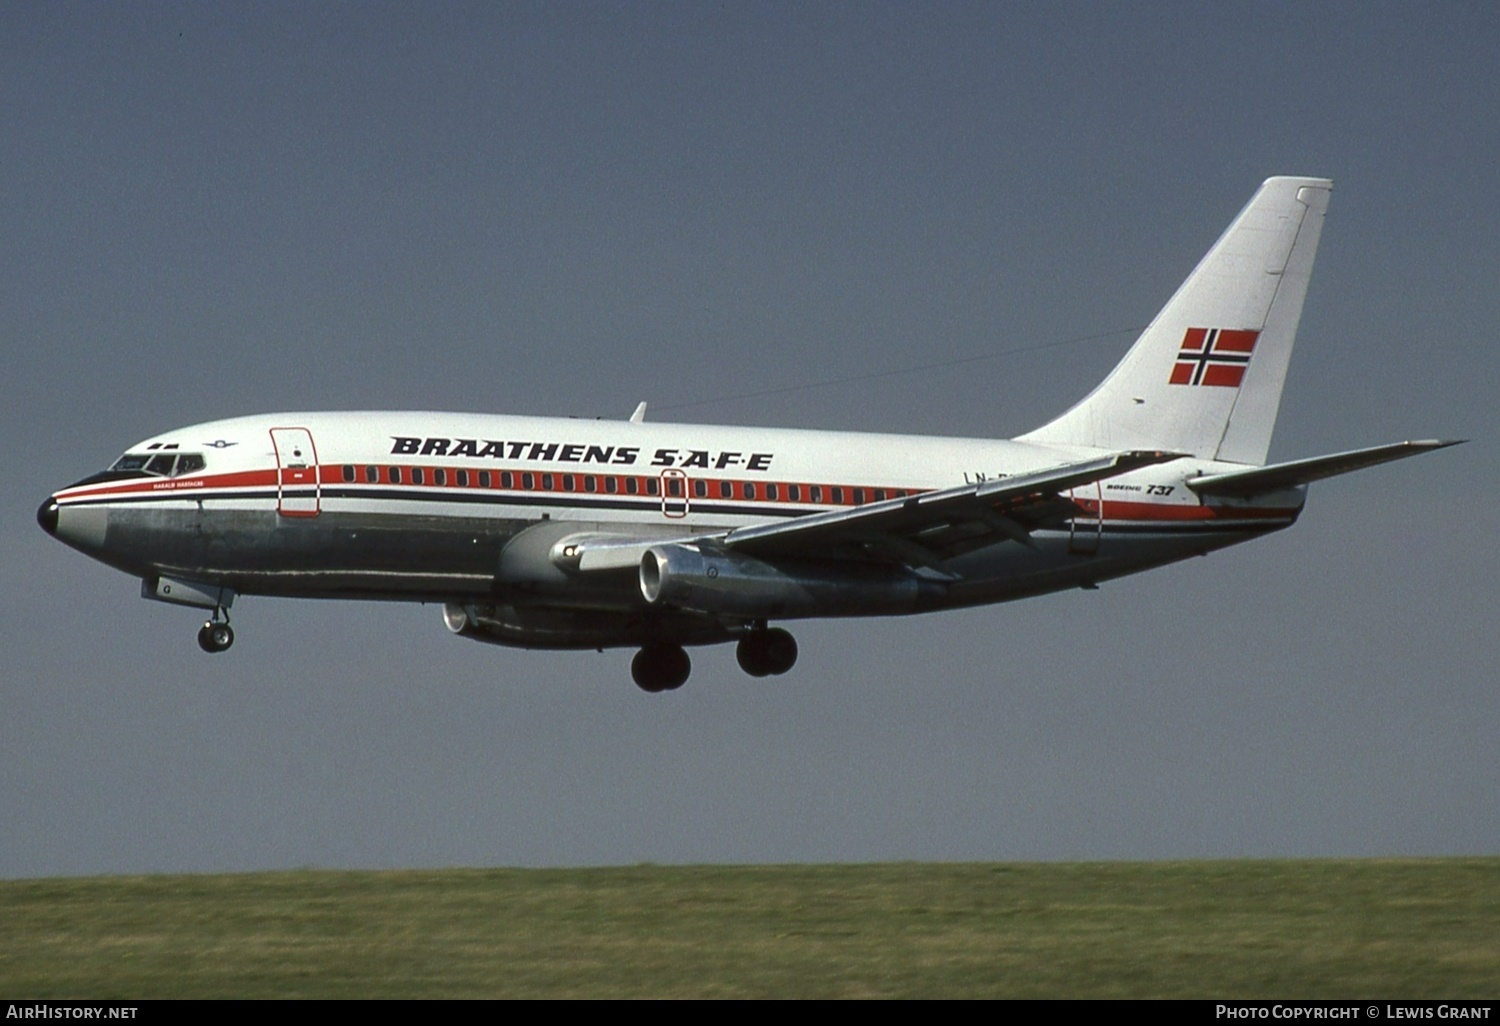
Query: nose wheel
x,y
216,635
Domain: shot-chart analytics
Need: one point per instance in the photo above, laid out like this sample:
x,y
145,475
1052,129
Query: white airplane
x,y
564,533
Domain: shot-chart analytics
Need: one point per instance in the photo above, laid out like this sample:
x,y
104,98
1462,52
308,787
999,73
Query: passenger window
x,y
772,492
880,495
372,475
674,487
484,479
611,485
507,479
632,485
568,482
838,496
794,492
726,489
416,475
462,477
748,490
440,476
527,480
348,474
546,482
816,493
590,483
859,496
653,486
393,475
700,488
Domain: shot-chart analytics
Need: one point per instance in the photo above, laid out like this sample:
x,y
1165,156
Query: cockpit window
x,y
163,464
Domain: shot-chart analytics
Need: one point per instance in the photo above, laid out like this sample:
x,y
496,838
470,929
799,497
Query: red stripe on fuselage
x,y
332,475
1160,511
184,486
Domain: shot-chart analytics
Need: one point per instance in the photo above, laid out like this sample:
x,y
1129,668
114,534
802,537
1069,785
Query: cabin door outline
x,y
298,491
1086,527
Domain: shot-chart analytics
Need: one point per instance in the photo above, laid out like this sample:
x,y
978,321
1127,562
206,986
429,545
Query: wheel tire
x,y
658,668
766,651
751,655
779,650
215,637
676,667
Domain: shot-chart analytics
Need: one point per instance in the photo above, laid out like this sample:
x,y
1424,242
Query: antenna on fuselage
x,y
639,416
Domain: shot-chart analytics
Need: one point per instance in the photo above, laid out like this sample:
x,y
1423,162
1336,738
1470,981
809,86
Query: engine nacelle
x,y
542,627
730,584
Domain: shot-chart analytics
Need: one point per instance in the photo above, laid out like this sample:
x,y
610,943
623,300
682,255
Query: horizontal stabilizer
x,y
1277,476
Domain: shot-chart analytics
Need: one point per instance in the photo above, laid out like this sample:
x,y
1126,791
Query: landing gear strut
x,y
661,667
216,635
763,651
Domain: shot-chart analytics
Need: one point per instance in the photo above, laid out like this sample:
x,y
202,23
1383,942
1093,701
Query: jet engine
x,y
724,583
548,628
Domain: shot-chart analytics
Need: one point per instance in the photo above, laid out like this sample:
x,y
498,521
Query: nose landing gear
x,y
216,635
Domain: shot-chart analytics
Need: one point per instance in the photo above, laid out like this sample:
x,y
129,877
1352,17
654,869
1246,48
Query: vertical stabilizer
x,y
1205,377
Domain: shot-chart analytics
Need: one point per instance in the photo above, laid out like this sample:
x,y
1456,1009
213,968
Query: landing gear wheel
x,y
215,637
751,659
762,652
661,668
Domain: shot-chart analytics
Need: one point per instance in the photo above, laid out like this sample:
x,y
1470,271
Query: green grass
x,y
1389,928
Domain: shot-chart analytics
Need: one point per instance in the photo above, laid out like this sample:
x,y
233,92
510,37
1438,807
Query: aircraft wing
x,y
1258,480
923,529
918,530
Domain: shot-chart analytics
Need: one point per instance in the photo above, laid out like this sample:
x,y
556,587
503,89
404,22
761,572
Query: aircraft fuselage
x,y
463,508
555,533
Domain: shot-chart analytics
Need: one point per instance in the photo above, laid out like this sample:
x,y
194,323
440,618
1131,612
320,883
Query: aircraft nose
x,y
46,515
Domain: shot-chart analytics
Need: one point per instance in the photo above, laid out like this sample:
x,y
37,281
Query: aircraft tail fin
x,y
1205,377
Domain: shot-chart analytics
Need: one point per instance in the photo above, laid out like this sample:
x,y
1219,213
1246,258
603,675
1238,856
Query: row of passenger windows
x,y
166,464
772,491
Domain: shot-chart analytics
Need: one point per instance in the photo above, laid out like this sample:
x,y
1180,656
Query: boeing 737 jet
x,y
569,534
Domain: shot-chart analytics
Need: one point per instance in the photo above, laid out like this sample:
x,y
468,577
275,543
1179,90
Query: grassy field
x,y
1390,928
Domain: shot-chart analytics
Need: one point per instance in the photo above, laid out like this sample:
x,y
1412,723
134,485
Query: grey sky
x,y
563,209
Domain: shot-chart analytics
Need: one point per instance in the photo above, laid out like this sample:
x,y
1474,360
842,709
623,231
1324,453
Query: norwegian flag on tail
x,y
1213,356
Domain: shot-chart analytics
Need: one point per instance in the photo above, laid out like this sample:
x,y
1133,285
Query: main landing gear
x,y
216,635
762,651
661,668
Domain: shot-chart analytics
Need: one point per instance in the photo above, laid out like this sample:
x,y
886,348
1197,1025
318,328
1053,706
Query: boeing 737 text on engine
x,y
557,533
